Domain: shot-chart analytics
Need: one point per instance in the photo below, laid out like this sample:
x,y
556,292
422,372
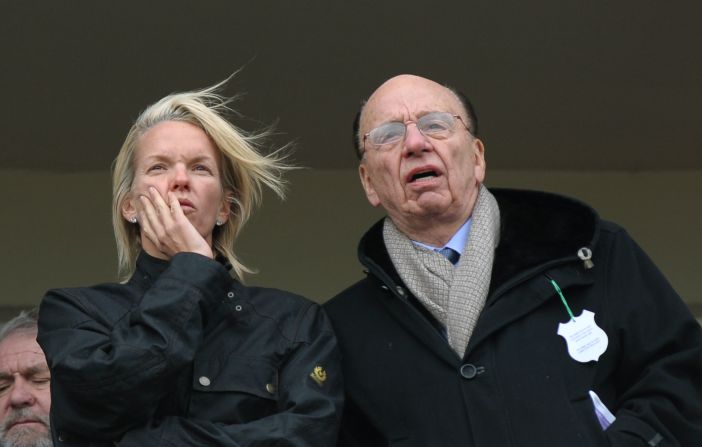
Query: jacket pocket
x,y
234,389
585,409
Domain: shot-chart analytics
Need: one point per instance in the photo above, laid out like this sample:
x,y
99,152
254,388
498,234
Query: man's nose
x,y
415,142
181,178
21,394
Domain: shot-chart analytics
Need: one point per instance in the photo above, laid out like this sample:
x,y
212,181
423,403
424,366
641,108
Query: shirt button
x,y
270,388
230,295
204,381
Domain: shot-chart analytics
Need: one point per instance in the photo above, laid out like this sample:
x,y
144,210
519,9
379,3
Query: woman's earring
x,y
133,219
219,223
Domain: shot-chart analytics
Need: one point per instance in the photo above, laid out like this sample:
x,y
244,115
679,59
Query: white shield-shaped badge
x,y
585,339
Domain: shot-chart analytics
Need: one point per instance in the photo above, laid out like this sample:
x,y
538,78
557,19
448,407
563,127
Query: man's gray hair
x,y
25,321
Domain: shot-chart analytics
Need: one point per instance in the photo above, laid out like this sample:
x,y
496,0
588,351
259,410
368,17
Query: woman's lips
x,y
186,204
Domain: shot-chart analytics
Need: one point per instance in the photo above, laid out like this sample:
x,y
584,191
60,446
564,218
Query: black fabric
x,y
183,355
516,385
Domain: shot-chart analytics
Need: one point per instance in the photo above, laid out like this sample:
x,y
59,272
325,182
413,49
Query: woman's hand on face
x,y
167,227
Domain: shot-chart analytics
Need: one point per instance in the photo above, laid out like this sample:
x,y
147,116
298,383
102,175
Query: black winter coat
x,y
517,385
184,355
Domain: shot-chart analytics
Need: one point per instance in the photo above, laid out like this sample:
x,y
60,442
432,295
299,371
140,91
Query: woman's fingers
x,y
165,224
148,220
163,210
174,207
187,236
158,222
158,213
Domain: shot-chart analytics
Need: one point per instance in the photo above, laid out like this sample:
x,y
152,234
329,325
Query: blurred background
x,y
596,100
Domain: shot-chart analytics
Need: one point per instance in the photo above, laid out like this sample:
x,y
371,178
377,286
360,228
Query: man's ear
x,y
371,194
480,164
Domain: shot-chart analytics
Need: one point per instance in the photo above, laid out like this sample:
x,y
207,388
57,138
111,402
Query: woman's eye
x,y
156,168
202,168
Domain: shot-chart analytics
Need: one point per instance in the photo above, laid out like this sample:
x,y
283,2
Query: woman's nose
x,y
181,179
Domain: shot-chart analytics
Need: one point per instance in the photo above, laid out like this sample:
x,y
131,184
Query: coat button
x,y
237,308
270,388
230,295
469,371
204,381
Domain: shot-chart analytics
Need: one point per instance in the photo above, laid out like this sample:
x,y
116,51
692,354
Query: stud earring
x,y
133,219
219,223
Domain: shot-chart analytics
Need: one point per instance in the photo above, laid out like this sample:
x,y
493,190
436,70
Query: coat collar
x,y
148,268
233,305
537,230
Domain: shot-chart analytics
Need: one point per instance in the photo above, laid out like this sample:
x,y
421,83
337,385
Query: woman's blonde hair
x,y
245,170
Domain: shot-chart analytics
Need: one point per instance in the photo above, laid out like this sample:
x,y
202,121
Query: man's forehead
x,y
408,95
19,351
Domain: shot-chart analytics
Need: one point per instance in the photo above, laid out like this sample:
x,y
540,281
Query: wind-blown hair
x,y
244,170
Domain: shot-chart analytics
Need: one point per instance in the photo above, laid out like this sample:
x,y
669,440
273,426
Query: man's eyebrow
x,y
30,371
35,370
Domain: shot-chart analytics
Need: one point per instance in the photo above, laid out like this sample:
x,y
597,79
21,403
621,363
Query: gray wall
x,y
56,228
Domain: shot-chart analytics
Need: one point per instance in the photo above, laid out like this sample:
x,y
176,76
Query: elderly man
x,y
500,318
24,385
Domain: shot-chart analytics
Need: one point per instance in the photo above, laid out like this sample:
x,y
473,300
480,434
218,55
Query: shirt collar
x,y
457,241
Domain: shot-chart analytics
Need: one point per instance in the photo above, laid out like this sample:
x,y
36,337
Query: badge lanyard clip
x,y
565,303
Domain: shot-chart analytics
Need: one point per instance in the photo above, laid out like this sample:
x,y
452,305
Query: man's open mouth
x,y
429,173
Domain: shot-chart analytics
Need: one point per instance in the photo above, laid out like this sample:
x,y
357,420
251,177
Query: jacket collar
x,y
148,268
537,230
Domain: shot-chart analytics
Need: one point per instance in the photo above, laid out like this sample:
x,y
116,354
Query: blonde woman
x,y
181,353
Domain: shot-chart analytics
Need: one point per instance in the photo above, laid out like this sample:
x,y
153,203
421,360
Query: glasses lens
x,y
437,124
434,125
387,134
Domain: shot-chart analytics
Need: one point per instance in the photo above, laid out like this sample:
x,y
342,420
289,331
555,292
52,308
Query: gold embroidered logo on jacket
x,y
319,375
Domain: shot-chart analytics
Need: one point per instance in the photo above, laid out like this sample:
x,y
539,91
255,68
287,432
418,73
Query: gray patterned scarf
x,y
455,295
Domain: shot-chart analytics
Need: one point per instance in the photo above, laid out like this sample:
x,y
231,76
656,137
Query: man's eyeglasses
x,y
436,125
